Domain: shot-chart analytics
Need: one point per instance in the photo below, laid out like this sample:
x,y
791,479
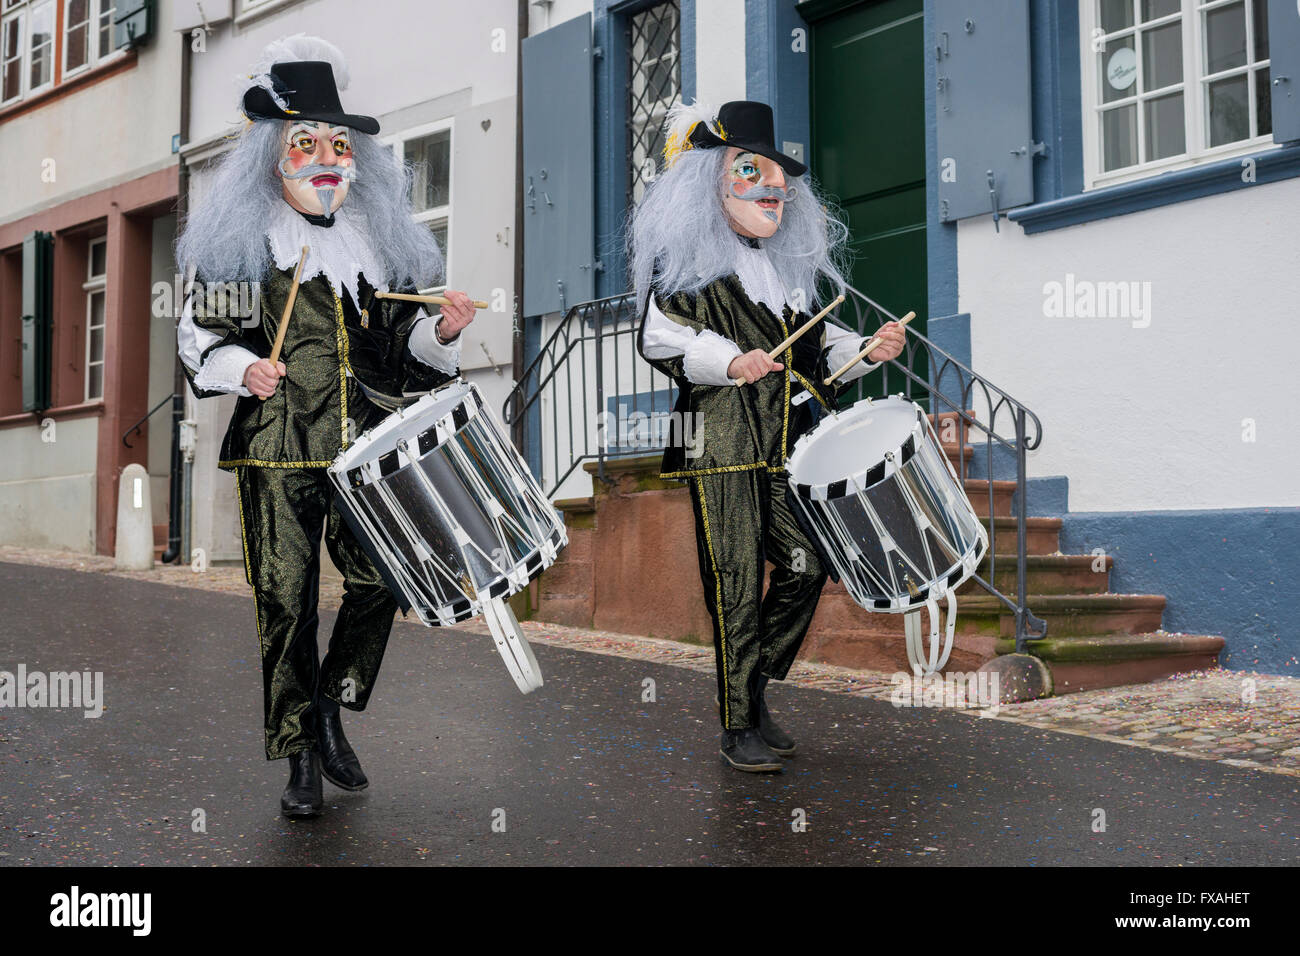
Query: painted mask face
x,y
316,166
754,193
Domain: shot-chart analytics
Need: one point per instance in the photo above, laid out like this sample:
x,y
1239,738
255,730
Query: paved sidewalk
x,y
1238,718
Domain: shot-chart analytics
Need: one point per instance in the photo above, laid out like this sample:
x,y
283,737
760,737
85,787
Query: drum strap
x,y
915,642
389,403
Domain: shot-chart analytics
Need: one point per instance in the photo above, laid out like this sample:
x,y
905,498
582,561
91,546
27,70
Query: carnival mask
x,y
754,193
316,166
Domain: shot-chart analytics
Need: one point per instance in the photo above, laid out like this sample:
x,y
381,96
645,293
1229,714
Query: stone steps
x,y
1047,574
631,566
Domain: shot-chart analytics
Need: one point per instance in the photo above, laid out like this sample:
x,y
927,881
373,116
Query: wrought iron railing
x,y
588,395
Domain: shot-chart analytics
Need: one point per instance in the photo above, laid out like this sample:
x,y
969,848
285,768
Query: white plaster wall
x,y
412,63
719,51
1152,418
109,132
47,487
400,52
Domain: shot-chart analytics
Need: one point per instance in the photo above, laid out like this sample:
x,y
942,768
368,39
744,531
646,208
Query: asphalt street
x,y
465,770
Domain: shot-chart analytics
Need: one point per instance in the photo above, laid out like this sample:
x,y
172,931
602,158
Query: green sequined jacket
x,y
719,429
318,408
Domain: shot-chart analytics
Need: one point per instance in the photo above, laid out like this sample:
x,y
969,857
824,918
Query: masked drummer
x,y
731,250
303,173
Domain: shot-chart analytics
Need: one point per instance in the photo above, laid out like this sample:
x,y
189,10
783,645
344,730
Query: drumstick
x,y
430,299
288,310
798,332
874,343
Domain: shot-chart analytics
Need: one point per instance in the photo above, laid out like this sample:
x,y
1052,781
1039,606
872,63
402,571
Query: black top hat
x,y
747,125
308,92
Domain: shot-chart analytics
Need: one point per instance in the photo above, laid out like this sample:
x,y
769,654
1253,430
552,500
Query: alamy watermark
x,y
82,690
954,689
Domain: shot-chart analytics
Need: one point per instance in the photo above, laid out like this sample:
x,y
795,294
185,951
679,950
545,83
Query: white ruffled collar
x,y
760,279
340,252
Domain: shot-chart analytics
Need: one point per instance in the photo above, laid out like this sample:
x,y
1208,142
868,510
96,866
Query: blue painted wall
x,y
1234,573
940,237
775,72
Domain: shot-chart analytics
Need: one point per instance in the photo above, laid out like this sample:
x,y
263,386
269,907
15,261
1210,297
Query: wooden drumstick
x,y
430,299
288,310
873,344
798,332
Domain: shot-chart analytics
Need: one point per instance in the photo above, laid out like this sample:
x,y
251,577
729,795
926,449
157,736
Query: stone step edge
x,y
1116,647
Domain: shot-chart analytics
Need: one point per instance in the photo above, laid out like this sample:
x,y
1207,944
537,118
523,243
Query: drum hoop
x,y
867,478
439,431
953,578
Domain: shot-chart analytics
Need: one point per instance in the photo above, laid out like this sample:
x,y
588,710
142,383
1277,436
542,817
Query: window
x,y
40,46
31,42
1171,83
105,27
428,150
96,299
655,84
11,57
87,33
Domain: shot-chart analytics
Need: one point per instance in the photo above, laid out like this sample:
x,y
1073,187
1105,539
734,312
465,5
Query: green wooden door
x,y
868,148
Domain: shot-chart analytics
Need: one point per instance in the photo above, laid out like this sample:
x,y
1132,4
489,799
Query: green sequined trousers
x,y
283,514
743,521
279,449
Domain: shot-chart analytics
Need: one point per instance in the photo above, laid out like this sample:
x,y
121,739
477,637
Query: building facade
x,y
1089,203
89,108
441,80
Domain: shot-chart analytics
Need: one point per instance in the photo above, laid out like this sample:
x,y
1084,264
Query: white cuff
x,y
706,359
424,345
844,350
223,370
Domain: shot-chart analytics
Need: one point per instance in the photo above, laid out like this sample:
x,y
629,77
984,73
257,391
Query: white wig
x,y
224,236
680,239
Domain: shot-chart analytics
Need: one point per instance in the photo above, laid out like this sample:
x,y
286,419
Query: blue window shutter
x,y
558,190
982,106
1284,68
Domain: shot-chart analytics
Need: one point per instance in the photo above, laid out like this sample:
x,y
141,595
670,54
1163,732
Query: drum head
x,y
852,441
405,425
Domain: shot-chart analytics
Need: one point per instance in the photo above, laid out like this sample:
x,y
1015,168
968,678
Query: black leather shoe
x,y
745,750
302,797
338,760
773,736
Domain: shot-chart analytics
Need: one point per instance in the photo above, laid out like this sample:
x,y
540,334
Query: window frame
x,y
652,121
16,14
1194,91
397,142
54,44
96,10
93,286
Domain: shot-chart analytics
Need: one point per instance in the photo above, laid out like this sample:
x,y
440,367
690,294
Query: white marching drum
x,y
884,504
451,516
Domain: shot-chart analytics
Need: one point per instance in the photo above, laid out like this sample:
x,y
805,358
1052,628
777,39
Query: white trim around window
x,y
437,216
96,289
1193,85
96,46
40,14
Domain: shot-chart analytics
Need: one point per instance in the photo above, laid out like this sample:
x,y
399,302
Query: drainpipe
x,y
517,427
181,483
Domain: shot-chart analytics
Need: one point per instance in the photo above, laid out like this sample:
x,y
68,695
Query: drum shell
x,y
448,509
899,533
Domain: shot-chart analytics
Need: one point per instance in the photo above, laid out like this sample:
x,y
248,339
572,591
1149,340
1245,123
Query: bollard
x,y
134,550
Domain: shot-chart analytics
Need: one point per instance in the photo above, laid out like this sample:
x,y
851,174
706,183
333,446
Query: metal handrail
x,y
575,353
137,427
942,372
